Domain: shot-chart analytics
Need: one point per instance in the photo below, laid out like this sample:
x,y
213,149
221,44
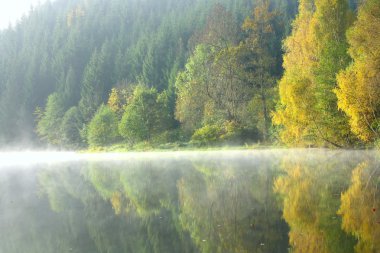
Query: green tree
x,y
210,90
259,59
50,120
102,129
144,116
96,81
71,125
191,92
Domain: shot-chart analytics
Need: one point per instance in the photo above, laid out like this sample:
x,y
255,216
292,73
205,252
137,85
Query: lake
x,y
171,202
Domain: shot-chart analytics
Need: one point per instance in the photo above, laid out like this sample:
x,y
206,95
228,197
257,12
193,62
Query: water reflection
x,y
262,201
311,188
360,204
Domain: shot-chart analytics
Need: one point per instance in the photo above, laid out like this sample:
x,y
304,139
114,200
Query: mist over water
x,y
225,201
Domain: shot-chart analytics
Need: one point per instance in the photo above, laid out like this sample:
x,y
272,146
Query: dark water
x,y
256,201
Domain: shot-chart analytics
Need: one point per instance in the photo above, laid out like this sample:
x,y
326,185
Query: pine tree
x,y
50,120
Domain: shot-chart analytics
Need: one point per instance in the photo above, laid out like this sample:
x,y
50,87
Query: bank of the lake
x,y
145,146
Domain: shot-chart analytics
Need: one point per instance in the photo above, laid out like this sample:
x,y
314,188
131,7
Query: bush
x,y
102,129
207,134
228,133
170,136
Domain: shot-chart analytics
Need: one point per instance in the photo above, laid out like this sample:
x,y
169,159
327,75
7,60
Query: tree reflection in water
x,y
360,206
262,201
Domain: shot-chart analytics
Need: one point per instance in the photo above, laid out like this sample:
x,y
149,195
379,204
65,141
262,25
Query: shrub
x,y
207,134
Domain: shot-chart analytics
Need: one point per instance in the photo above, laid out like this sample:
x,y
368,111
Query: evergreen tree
x,y
70,127
50,120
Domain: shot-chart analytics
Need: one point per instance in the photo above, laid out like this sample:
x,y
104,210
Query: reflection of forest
x,y
324,211
198,205
151,206
360,206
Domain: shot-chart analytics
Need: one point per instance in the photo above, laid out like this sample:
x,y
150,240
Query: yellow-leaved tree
x,y
359,85
296,86
314,53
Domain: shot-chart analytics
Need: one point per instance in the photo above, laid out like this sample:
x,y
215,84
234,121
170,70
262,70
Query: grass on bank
x,y
176,146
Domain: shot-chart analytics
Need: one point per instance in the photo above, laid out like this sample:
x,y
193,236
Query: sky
x,y
12,10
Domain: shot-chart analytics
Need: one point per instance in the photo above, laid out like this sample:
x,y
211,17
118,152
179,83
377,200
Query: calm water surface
x,y
215,202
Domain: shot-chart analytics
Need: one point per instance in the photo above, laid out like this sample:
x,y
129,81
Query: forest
x,y
79,74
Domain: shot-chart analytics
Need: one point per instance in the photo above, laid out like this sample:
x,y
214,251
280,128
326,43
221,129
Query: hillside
x,y
79,73
78,50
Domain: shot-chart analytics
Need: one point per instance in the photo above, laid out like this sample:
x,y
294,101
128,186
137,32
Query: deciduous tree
x,y
359,85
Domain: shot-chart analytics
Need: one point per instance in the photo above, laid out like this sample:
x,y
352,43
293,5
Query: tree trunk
x,y
265,111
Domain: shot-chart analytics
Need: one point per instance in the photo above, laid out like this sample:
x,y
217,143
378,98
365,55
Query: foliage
x,y
229,132
70,128
208,89
260,57
81,50
207,134
118,99
145,115
49,124
102,129
358,92
315,53
209,62
191,93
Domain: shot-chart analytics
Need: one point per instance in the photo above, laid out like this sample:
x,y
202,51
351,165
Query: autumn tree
x,y
358,86
315,53
118,99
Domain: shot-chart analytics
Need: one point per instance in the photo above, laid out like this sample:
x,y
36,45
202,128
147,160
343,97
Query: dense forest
x,y
80,73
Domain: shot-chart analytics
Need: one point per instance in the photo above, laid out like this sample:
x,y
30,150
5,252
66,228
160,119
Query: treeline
x,y
329,90
79,73
61,62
